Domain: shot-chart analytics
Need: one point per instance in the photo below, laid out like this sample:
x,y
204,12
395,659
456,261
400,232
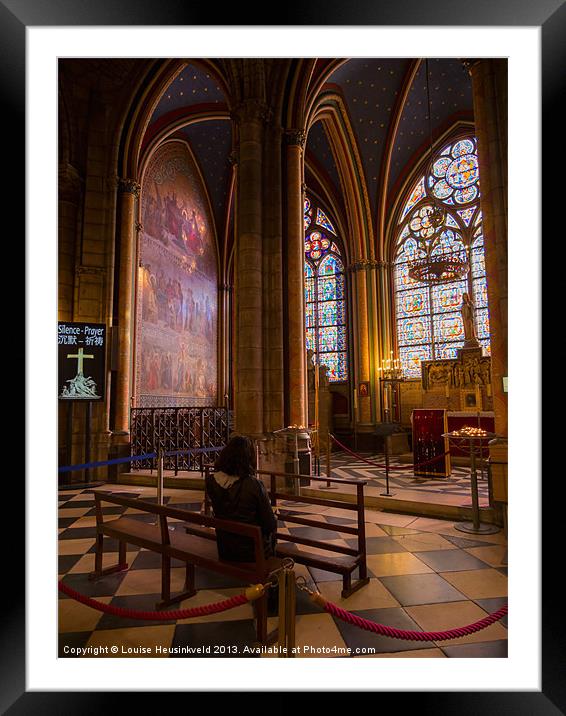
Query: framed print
x,y
363,390
187,296
470,400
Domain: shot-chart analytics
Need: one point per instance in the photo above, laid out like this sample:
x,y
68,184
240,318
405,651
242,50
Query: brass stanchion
x,y
282,626
160,476
328,485
290,611
387,434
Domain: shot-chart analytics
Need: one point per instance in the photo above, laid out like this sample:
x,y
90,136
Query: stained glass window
x,y
325,306
429,323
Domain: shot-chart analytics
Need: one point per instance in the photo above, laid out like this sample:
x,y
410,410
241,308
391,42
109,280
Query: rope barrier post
x,y
328,485
160,476
290,611
282,613
387,493
206,502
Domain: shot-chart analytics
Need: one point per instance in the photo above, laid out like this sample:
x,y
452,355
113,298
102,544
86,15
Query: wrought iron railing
x,y
178,429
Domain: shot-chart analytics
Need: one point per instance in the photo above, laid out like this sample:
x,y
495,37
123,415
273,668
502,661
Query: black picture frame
x,y
15,17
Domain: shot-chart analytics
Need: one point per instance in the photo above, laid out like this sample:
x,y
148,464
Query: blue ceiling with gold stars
x,y
450,93
372,89
319,149
211,142
192,86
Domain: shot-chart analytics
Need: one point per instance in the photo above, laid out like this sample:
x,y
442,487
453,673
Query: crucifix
x,y
80,357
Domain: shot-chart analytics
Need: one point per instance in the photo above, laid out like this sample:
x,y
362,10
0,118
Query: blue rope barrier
x,y
135,458
116,461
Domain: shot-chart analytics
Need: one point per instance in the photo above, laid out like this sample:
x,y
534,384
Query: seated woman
x,y
236,494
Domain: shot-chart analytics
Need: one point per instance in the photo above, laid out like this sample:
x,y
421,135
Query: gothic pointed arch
x,y
177,284
325,292
428,323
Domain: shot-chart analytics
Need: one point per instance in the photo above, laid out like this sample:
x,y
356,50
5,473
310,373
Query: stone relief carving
x,y
469,369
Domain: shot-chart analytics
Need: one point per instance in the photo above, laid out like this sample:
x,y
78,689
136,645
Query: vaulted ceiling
x,y
386,105
385,101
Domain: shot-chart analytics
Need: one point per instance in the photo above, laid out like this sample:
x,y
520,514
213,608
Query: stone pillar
x,y
273,281
68,213
383,338
248,395
361,306
489,84
297,387
129,191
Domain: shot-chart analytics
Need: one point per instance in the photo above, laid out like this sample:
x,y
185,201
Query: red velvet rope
x,y
240,599
397,467
414,635
223,606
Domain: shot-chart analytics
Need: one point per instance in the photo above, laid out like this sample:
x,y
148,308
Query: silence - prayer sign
x,y
82,360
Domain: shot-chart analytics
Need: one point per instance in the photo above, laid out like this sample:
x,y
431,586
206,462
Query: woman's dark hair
x,y
238,457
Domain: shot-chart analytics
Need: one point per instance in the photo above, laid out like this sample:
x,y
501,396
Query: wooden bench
x,y
195,547
340,560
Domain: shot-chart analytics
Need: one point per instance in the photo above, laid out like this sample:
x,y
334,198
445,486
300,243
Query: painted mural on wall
x,y
176,356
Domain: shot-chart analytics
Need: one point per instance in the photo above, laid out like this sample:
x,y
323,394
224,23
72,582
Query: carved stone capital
x,y
129,186
225,287
90,271
365,265
295,137
111,182
138,226
251,110
69,183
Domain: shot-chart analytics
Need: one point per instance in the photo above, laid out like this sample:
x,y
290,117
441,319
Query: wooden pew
x,y
194,549
341,560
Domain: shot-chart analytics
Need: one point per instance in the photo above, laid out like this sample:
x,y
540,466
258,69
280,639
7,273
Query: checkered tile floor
x,y
424,575
458,483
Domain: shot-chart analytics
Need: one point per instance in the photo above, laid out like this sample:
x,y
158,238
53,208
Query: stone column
x,y
489,85
68,212
297,387
383,339
361,305
129,191
248,395
273,281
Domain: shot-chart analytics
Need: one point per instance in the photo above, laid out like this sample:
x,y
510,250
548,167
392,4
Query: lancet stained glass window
x,y
325,306
429,322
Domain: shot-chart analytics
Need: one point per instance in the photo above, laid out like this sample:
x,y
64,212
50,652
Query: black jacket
x,y
244,501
